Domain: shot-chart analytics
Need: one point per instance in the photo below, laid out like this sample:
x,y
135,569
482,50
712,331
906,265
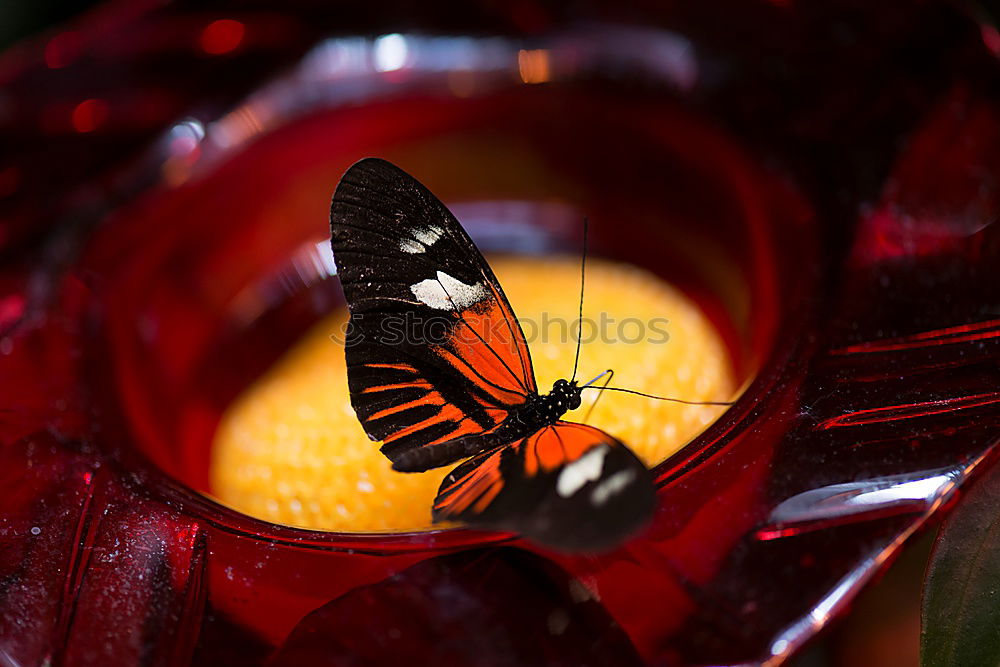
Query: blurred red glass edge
x,y
701,586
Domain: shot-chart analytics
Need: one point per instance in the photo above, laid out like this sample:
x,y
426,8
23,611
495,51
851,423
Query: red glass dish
x,y
851,273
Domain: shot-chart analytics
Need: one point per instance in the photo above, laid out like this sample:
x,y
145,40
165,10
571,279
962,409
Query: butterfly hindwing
x,y
569,486
434,352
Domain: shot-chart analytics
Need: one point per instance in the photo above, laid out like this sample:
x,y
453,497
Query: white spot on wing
x,y
412,247
585,469
447,293
611,486
428,236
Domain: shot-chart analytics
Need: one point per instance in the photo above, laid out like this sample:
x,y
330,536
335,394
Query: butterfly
x,y
439,372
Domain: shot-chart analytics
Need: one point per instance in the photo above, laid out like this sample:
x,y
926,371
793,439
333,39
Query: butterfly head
x,y
566,394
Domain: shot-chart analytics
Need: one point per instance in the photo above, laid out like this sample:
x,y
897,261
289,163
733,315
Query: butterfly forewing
x,y
569,486
434,352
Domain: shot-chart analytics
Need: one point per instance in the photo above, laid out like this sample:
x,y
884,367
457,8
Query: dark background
x,y
19,19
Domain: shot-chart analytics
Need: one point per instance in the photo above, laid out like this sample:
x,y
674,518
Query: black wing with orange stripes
x,y
434,352
569,486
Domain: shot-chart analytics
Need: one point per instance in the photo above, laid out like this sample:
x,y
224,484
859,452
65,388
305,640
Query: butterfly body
x,y
537,412
540,410
439,371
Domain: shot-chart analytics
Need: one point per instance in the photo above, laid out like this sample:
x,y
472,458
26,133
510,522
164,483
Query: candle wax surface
x,y
290,449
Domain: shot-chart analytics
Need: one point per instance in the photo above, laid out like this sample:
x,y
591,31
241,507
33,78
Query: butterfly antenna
x,y
659,398
610,373
583,275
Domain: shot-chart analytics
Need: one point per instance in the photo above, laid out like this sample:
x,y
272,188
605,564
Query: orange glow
x,y
533,65
222,36
89,115
291,448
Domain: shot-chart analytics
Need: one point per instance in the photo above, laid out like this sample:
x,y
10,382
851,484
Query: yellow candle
x,y
291,450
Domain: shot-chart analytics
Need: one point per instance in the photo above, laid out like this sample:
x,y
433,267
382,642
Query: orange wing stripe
x,y
559,444
397,367
447,413
488,496
517,348
470,374
432,398
424,384
471,348
479,487
578,439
